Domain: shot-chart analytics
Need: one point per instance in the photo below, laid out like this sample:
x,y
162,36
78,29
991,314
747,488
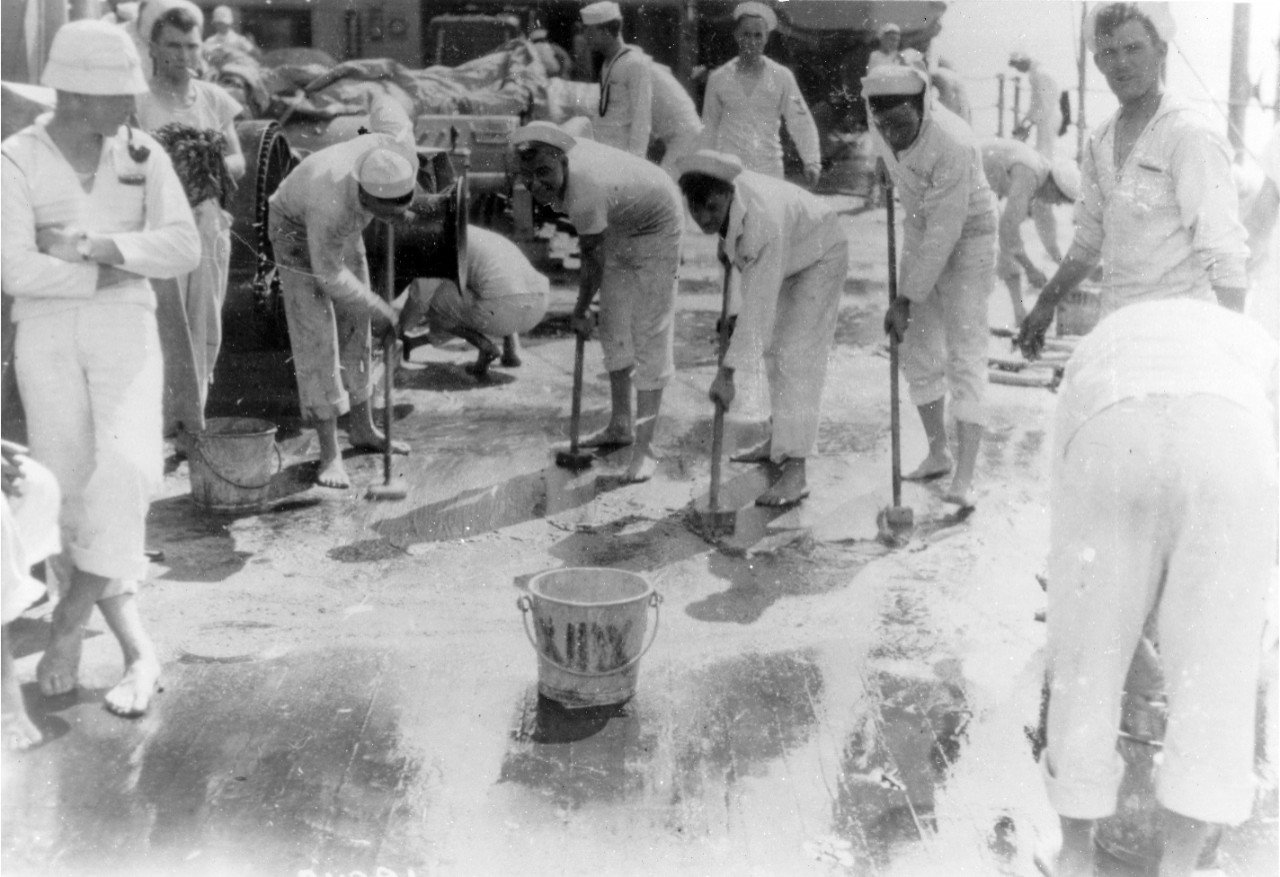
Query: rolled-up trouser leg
x,y
945,347
808,306
637,307
99,374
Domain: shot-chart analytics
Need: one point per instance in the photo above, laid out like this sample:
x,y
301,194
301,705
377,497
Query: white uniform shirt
x,y
496,268
776,229
626,102
321,195
1165,223
1177,347
999,157
140,206
610,191
210,108
674,112
944,196
745,123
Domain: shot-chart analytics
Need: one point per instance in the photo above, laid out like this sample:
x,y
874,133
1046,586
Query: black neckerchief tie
x,y
604,80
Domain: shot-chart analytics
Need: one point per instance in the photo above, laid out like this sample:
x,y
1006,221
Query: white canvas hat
x,y
720,165
386,173
599,13
94,57
759,10
544,132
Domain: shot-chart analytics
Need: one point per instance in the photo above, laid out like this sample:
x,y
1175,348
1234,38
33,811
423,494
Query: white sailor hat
x,y
387,173
223,15
889,79
889,27
720,165
759,10
1158,14
1018,56
548,133
93,57
1066,176
599,13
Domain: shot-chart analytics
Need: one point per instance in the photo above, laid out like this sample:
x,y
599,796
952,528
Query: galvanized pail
x,y
589,633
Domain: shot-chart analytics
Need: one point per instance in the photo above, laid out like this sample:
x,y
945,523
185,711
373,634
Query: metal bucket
x,y
588,630
231,464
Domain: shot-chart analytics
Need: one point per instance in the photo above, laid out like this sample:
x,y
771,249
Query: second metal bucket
x,y
231,462
589,628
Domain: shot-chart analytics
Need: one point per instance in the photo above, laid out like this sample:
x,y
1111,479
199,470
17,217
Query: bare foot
x,y
132,694
607,438
758,454
374,440
59,668
19,733
932,468
790,488
960,494
641,469
333,474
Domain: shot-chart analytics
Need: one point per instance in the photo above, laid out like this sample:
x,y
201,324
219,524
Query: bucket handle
x,y
195,447
525,605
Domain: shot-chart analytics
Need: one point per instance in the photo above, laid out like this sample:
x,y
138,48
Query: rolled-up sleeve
x,y
169,244
933,226
24,270
1209,206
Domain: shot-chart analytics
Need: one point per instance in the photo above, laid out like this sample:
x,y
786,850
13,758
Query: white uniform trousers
x,y
1166,503
796,359
638,306
91,380
945,347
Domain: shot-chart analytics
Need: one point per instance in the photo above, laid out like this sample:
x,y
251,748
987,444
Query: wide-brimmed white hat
x,y
599,13
1066,176
759,10
386,173
1158,14
94,57
720,165
548,133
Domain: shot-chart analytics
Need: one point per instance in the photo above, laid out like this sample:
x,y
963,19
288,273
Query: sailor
x,y
1158,208
626,81
1044,114
947,267
748,97
629,221
793,257
1029,185
191,321
91,210
504,296
317,218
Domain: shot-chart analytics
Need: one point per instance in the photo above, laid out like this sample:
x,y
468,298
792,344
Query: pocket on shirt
x,y
1152,185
